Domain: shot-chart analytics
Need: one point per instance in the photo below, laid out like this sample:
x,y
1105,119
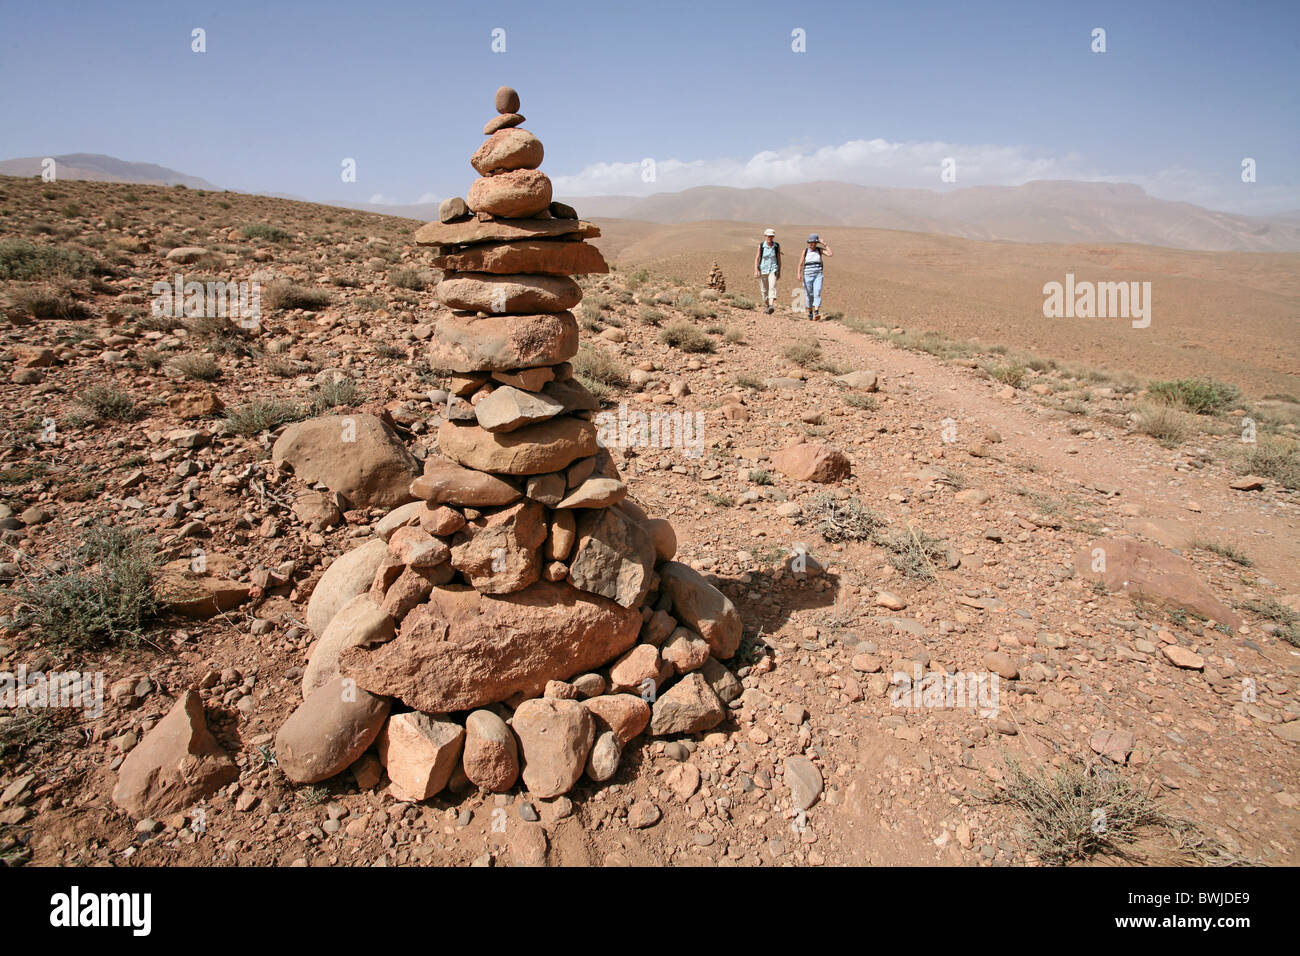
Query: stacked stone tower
x,y
523,611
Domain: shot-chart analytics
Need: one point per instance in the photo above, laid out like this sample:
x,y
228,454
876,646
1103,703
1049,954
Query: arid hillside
x,y
1233,315
1091,531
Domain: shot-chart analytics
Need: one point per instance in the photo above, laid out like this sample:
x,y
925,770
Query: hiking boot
x,y
817,315
810,315
769,310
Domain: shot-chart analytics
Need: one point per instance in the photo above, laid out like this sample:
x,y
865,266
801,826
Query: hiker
x,y
767,267
810,274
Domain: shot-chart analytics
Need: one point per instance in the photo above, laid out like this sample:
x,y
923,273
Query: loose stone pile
x,y
523,614
717,281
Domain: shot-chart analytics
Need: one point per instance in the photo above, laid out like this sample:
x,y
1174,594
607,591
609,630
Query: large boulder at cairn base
x,y
1143,570
502,343
531,450
518,193
329,731
447,483
358,456
702,607
177,764
508,149
502,230
532,258
350,574
464,649
512,294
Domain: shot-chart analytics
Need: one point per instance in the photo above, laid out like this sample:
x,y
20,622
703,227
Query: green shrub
x,y
1278,459
257,417
1167,425
201,368
1201,396
287,295
47,304
23,260
806,354
261,230
684,336
597,365
109,403
104,595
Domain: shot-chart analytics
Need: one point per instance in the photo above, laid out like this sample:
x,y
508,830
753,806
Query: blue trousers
x,y
812,287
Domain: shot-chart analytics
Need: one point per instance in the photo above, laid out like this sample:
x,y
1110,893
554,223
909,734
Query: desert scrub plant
x,y
721,501
1277,458
740,302
23,261
262,230
684,336
1165,424
806,354
847,520
913,552
761,476
108,403
734,336
288,295
390,350
256,417
1061,809
649,316
417,280
1013,374
1200,396
196,366
1287,620
333,393
745,380
596,365
104,595
1223,550
860,400
42,303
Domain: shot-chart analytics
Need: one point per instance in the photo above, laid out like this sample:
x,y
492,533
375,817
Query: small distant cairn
x,y
717,281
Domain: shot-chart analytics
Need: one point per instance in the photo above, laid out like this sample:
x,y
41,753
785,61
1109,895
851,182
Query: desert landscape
x,y
933,581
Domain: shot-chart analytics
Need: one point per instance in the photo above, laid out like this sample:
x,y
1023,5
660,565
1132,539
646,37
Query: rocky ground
x,y
988,482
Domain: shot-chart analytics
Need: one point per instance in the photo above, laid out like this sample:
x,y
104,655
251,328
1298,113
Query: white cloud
x,y
917,165
873,162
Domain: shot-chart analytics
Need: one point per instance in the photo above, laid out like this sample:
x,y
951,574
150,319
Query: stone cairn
x,y
717,281
522,615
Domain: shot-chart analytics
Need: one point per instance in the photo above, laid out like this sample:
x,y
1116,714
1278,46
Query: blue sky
x,y
712,92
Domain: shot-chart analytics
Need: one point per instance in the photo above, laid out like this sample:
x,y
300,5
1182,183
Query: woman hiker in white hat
x,y
767,267
810,273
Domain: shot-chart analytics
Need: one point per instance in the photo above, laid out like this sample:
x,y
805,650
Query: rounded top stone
x,y
507,100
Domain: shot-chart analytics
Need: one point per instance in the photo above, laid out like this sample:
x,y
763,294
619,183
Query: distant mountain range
x,y
107,169
1043,211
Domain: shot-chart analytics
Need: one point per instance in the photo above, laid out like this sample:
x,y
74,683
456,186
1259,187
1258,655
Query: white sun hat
x,y
769,232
